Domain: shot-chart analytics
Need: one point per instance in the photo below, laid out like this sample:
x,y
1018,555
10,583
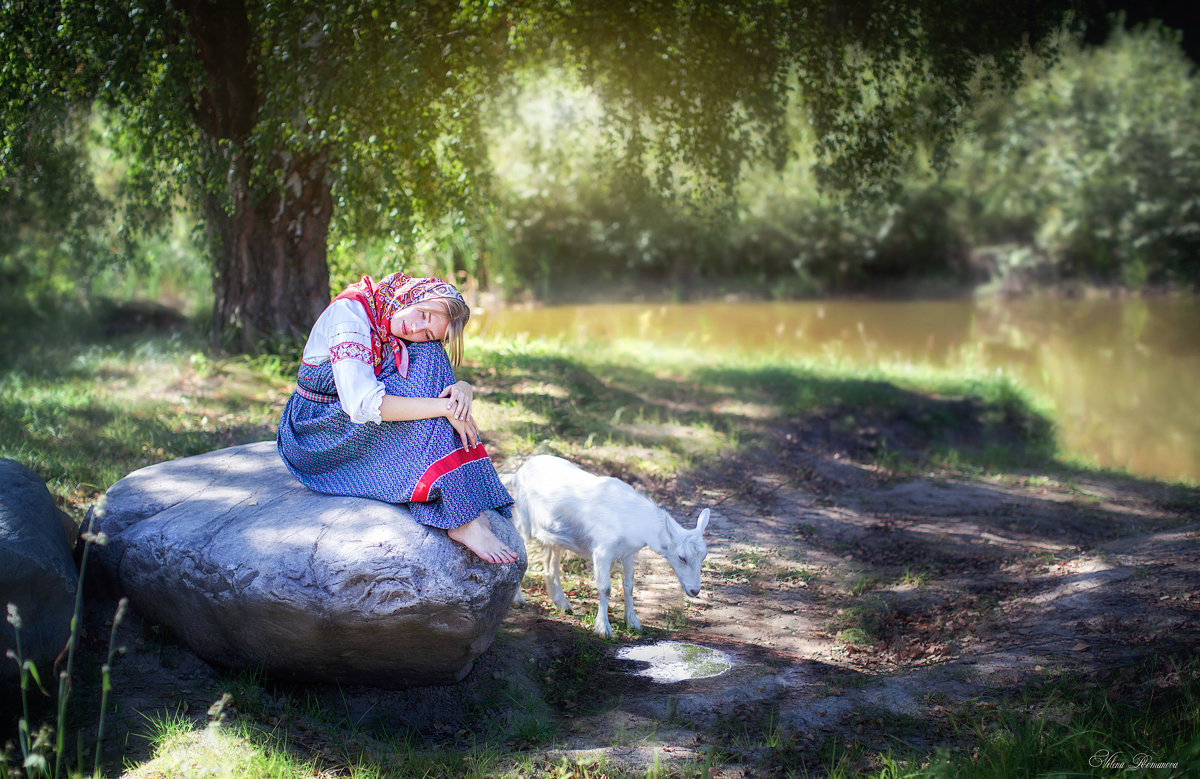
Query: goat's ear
x,y
702,521
673,528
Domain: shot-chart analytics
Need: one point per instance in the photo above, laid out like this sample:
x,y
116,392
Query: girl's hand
x,y
459,395
466,430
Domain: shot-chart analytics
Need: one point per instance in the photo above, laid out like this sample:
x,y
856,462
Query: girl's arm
x,y
395,408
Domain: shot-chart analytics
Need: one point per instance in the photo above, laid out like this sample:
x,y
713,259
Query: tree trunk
x,y
270,276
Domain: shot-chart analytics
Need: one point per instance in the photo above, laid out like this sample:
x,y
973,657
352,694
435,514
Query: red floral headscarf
x,y
387,296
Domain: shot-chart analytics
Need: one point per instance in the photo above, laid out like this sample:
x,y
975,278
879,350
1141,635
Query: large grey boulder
x,y
253,570
37,571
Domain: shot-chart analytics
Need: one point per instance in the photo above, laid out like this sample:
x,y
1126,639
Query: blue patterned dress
x,y
421,463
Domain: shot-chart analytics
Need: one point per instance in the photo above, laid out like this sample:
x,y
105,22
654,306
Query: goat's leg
x,y
554,578
631,620
519,595
602,564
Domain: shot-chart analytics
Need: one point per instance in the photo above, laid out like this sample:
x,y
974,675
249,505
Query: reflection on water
x,y
1123,375
675,661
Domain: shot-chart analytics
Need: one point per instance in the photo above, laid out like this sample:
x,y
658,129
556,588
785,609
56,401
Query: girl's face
x,y
417,324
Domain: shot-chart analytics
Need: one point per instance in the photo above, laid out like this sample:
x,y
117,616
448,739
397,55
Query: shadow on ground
x,y
868,597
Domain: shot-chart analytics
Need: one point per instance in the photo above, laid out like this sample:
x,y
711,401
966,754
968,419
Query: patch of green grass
x,y
795,576
167,726
85,415
743,565
579,567
630,404
913,578
854,635
676,618
529,730
1139,724
749,559
863,623
1180,499
571,678
239,750
863,584
245,691
756,736
911,416
565,768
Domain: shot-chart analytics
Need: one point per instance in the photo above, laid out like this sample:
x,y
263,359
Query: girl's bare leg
x,y
477,536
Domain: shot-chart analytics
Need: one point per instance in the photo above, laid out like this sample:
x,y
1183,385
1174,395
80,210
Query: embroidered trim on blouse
x,y
350,350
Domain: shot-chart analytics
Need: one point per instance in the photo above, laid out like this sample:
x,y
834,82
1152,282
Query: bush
x,y
1095,163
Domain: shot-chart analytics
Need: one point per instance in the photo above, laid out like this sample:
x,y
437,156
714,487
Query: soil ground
x,y
863,610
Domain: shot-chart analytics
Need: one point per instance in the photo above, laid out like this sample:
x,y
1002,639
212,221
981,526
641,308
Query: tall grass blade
x,y
106,681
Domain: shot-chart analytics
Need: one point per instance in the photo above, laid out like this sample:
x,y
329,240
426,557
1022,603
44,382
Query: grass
x,y
233,751
85,412
676,618
742,565
863,623
1147,726
85,415
914,578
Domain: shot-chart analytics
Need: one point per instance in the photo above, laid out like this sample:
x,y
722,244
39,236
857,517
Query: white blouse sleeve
x,y
342,335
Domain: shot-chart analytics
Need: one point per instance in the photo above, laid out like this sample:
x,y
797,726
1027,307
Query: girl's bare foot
x,y
477,536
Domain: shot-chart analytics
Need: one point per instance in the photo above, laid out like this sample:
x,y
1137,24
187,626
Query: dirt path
x,y
934,570
861,609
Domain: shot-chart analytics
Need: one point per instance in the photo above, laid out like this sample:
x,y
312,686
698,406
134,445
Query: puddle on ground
x,y
674,661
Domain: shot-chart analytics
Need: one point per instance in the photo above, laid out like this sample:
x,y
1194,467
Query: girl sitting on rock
x,y
377,413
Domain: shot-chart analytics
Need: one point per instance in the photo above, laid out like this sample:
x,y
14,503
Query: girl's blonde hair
x,y
458,312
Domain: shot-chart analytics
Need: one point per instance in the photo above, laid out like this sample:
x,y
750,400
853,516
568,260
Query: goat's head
x,y
686,554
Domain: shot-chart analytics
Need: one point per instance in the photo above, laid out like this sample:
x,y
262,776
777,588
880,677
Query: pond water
x,y
676,661
1122,376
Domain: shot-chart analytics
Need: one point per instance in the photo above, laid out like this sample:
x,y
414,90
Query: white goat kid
x,y
563,508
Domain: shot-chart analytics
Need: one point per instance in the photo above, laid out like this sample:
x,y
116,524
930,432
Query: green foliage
x,y
53,219
863,623
540,148
1094,164
1089,169
66,238
278,121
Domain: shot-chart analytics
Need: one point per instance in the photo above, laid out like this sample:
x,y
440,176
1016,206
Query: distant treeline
x,y
1090,173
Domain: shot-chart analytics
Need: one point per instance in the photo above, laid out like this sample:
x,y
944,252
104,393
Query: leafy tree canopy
x,y
279,118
